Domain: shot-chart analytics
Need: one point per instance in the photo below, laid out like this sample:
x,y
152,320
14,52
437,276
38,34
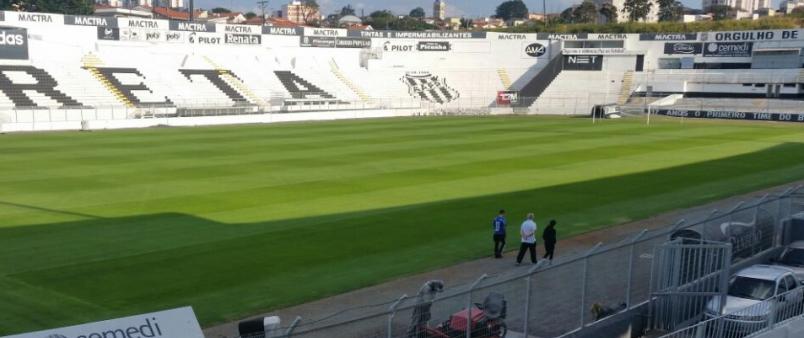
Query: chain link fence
x,y
561,298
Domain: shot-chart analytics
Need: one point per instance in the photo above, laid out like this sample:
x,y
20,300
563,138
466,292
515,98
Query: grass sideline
x,y
241,219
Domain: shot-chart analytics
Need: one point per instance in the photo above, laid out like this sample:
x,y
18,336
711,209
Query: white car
x,y
752,286
793,258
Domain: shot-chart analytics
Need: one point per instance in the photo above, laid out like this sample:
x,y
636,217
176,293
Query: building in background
x,y
297,12
653,15
141,3
440,10
788,6
745,6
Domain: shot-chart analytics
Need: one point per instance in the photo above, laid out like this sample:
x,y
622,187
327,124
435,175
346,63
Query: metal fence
x,y
469,105
562,298
754,319
758,105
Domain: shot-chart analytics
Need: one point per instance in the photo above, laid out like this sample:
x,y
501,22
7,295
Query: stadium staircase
x,y
345,80
625,90
801,76
504,78
536,86
91,63
235,82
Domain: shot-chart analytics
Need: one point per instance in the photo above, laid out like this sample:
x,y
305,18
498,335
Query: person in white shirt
x,y
528,234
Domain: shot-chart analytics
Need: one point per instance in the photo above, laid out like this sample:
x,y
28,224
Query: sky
x,y
468,8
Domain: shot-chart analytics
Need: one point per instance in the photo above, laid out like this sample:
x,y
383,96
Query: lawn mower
x,y
486,320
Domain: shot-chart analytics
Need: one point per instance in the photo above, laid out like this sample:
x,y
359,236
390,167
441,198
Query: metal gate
x,y
686,275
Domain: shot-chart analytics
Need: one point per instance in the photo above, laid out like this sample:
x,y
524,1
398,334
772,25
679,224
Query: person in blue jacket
x,y
499,234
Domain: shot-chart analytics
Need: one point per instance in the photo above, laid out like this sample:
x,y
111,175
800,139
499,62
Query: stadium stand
x,y
61,70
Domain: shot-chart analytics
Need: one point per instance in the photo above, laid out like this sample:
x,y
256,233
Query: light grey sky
x,y
469,8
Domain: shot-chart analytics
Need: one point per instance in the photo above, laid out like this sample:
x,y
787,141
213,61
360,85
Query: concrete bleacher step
x,y
625,90
504,78
345,80
91,62
801,76
236,83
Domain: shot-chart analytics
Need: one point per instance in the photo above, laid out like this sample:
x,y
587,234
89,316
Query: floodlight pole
x,y
263,4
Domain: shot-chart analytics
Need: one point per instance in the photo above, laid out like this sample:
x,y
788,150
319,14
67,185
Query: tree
x,y
250,15
418,13
585,13
381,19
637,9
409,24
347,10
467,23
670,10
309,11
567,16
722,12
220,10
512,9
609,11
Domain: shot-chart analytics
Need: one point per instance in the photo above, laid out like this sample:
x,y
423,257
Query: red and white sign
x,y
507,98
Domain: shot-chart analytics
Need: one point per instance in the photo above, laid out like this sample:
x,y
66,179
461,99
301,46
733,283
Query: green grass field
x,y
241,219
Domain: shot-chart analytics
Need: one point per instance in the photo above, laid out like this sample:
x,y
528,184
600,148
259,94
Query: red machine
x,y
485,320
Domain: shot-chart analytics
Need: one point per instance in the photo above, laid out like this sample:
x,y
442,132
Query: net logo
x,y
11,39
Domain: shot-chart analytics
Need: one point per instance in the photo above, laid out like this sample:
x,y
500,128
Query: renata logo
x,y
11,39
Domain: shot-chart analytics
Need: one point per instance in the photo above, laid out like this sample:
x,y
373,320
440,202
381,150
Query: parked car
x,y
754,287
607,111
793,258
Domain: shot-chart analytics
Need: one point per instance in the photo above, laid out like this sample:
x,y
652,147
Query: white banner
x,y
176,323
594,51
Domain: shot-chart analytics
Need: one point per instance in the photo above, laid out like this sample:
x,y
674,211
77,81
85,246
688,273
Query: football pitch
x,y
237,220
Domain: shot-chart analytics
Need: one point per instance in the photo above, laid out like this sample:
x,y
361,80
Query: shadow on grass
x,y
225,271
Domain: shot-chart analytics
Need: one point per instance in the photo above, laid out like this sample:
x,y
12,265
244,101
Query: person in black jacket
x,y
549,237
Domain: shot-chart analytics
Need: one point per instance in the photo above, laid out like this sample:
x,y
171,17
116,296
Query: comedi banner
x,y
176,323
728,49
732,115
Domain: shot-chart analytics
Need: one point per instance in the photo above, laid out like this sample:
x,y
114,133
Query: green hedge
x,y
664,27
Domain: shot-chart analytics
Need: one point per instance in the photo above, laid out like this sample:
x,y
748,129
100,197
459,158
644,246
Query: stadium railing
x,y
556,300
569,105
752,320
